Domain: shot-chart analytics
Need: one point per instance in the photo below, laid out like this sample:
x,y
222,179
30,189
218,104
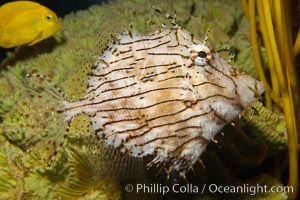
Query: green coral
x,y
41,158
265,126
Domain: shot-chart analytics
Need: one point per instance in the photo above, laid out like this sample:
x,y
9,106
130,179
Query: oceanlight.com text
x,y
248,189
158,188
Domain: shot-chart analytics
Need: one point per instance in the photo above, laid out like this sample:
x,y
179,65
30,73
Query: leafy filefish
x,y
164,94
26,22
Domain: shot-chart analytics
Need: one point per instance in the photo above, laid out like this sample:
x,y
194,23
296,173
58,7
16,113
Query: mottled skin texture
x,y
147,96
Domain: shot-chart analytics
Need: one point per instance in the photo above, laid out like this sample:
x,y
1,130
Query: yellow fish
x,y
26,22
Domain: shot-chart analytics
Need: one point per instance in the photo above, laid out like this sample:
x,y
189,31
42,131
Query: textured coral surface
x,y
41,158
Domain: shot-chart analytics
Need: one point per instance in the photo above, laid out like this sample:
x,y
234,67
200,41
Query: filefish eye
x,y
200,55
48,17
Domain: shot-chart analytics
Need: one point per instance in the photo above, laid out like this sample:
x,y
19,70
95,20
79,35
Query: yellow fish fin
x,y
36,39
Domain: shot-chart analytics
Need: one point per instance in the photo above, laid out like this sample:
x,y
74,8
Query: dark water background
x,y
62,7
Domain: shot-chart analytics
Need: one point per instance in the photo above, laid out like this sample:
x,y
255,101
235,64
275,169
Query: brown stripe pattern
x,y
145,96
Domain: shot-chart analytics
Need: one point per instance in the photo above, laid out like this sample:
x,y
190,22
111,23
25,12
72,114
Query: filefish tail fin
x,y
47,86
33,123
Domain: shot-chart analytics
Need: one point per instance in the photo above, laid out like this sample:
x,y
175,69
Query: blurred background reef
x,y
40,159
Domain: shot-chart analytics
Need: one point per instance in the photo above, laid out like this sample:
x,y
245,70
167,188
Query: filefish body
x,y
163,94
26,22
